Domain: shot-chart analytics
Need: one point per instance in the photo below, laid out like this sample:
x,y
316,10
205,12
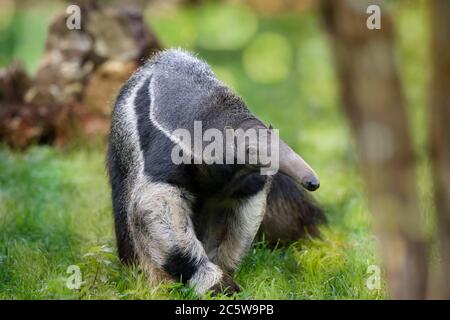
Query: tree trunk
x,y
375,106
440,130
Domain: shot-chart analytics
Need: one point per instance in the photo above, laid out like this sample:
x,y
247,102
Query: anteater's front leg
x,y
242,224
164,238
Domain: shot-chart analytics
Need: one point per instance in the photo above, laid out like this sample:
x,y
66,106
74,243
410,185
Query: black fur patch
x,y
182,265
155,146
248,185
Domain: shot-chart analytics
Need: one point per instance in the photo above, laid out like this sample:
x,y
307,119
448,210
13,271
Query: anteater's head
x,y
289,162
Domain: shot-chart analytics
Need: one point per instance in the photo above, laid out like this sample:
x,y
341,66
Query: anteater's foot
x,y
226,286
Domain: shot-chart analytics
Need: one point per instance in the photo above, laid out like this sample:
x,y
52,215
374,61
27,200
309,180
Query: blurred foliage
x,y
23,30
268,59
239,22
55,205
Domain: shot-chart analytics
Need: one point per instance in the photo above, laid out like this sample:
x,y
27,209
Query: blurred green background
x,y
55,205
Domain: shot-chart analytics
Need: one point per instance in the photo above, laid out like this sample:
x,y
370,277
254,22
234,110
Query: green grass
x,y
55,208
55,212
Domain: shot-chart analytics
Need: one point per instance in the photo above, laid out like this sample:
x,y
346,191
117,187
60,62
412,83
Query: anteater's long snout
x,y
294,166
